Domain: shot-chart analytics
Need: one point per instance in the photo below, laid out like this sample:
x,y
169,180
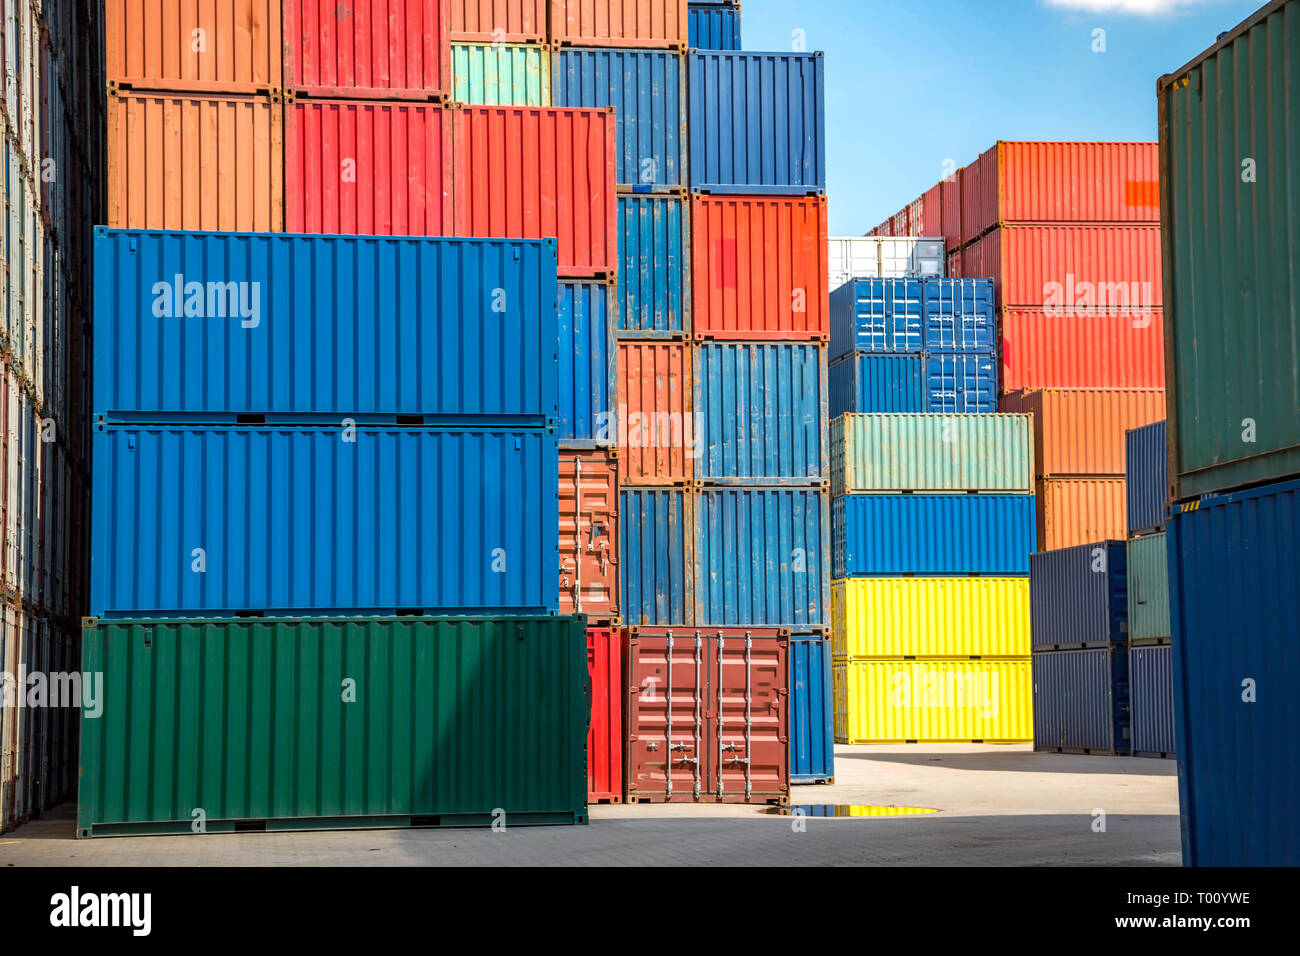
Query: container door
x,y
748,736
605,732
668,736
589,547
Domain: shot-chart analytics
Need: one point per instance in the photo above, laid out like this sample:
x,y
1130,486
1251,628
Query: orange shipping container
x,y
195,162
1080,511
1090,350
760,267
658,441
589,542
1081,432
477,21
658,24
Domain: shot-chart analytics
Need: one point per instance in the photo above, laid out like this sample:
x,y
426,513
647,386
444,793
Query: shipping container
x,y
453,721
647,91
961,383
959,315
499,21
501,74
1085,350
654,277
1151,693
587,359
708,716
1074,511
620,23
867,382
1229,172
713,26
1146,472
950,200
605,733
1079,596
659,439
759,267
399,50
1081,701
933,701
532,173
931,534
877,315
369,327
1148,590
1081,432
812,711
345,519
937,453
180,161
865,257
589,545
933,617
762,557
758,122
657,526
761,409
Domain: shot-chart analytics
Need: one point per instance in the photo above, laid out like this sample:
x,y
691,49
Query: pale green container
x,y
501,74
1148,590
932,453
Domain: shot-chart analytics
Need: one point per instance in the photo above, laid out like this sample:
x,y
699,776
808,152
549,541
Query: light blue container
x,y
588,362
812,733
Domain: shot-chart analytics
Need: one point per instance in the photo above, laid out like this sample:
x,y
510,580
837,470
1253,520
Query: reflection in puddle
x,y
845,810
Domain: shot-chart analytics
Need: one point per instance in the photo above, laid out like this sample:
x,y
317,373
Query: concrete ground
x,y
998,805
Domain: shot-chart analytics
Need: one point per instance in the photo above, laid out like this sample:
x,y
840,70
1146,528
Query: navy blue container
x,y
713,26
587,362
877,315
961,383
1078,597
1081,701
1233,565
866,382
1146,457
657,531
654,278
1151,685
812,732
959,315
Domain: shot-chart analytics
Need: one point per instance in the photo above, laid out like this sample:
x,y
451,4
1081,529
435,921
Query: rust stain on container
x,y
589,542
1081,431
657,437
620,23
477,21
1075,511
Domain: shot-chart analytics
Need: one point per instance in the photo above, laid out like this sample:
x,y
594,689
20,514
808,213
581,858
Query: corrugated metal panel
x,y
1081,432
1151,692
195,162
1230,179
1084,350
396,50
1079,596
297,520
500,21
930,617
758,122
932,534
501,74
959,315
948,453
452,719
1081,701
761,408
762,557
857,257
978,186
1148,589
950,197
1073,268
714,26
877,383
587,359
199,47
654,280
760,268
657,526
936,701
368,168
1146,471
589,545
647,90
658,437
877,315
812,731
369,326
534,173
962,383
605,735
620,23
1074,511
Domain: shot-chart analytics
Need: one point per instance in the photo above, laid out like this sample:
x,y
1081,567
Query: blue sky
x,y
910,83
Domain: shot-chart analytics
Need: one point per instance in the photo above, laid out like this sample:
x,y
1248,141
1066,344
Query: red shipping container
x,y
605,733
955,265
761,268
978,186
932,213
366,168
950,200
519,21
658,441
538,172
372,49
916,217
1086,350
708,715
589,542
898,223
620,23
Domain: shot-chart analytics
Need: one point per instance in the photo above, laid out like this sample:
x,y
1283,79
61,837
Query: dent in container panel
x,y
654,279
1084,350
588,361
620,23
499,21
657,526
658,438
589,545
1074,511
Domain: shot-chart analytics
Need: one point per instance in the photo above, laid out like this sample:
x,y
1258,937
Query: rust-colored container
x,y
657,438
932,212
657,24
192,46
478,21
1088,350
1081,432
538,172
760,267
708,715
371,49
195,162
589,543
1079,510
364,168
605,732
950,201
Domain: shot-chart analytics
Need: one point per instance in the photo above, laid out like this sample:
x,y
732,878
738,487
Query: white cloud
x,y
1145,8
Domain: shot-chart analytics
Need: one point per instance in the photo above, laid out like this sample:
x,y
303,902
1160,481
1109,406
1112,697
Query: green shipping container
x,y
933,453
501,74
1148,590
1230,192
323,724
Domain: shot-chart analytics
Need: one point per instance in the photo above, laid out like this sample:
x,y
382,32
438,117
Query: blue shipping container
x,y
1233,565
762,557
877,315
866,382
588,361
654,279
1078,597
961,383
713,26
657,530
1151,686
959,315
1081,701
761,411
203,326
647,89
758,123
289,520
1146,459
874,535
812,732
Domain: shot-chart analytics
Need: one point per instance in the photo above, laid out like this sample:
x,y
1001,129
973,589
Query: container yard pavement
x,y
1000,806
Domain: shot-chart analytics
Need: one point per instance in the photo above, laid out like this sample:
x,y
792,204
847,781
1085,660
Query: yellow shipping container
x,y
930,617
934,701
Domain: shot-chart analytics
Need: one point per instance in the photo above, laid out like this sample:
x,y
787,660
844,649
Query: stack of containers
x,y
873,257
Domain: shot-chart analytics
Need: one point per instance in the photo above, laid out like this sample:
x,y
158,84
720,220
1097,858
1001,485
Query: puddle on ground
x,y
845,810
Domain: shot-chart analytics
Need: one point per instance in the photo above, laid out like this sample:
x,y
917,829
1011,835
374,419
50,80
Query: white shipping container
x,y
885,257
